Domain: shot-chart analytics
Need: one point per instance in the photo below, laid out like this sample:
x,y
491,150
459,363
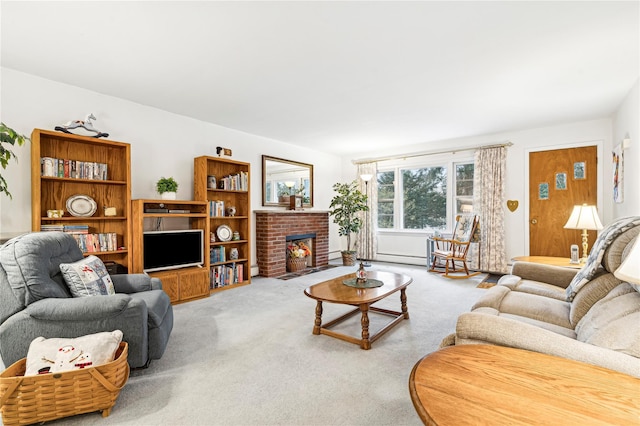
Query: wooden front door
x,y
558,180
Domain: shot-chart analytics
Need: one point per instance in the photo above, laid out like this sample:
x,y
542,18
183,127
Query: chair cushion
x,y
515,283
612,322
56,355
31,262
87,277
618,250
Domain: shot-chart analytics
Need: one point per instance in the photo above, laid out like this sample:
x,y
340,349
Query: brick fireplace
x,y
272,229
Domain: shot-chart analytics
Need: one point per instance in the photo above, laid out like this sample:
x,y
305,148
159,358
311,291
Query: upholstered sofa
x,y
36,301
587,315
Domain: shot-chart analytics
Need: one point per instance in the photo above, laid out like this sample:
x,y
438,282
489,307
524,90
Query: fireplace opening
x,y
300,251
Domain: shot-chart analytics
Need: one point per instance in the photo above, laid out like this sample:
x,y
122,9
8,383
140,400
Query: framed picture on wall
x,y
618,174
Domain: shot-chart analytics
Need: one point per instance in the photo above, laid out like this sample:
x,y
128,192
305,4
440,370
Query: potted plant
x,y
167,188
283,193
345,208
8,136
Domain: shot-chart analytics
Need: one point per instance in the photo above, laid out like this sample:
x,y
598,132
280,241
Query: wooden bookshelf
x,y
236,195
182,284
112,190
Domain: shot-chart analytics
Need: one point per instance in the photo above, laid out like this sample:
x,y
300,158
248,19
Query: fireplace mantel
x,y
272,229
281,212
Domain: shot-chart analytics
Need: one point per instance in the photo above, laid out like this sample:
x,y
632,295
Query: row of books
x,y
237,182
60,167
224,275
70,229
88,243
91,243
216,208
217,254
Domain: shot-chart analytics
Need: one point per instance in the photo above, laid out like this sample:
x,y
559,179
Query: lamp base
x,y
585,246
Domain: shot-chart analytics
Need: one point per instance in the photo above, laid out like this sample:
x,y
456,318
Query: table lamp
x,y
586,218
629,271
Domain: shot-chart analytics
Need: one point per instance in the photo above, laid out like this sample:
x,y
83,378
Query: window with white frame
x,y
424,197
464,188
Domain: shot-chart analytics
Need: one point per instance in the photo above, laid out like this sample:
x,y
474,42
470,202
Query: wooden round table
x,y
483,384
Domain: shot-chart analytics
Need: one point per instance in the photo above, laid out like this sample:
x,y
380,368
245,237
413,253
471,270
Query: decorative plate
x,y
224,233
81,205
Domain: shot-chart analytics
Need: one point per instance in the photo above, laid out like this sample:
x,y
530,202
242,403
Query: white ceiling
x,y
339,76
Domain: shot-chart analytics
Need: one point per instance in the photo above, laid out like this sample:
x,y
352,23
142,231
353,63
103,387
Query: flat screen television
x,y
172,249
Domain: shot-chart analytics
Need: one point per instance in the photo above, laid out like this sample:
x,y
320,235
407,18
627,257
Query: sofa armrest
x,y
556,275
74,317
496,330
132,283
91,308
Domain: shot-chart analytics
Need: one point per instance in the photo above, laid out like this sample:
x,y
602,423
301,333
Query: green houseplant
x,y
345,208
8,136
167,188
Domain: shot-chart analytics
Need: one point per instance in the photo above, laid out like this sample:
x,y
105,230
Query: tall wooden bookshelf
x,y
232,190
112,188
182,284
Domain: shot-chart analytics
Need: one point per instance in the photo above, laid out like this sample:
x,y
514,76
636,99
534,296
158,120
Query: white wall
x,y
162,144
626,124
410,247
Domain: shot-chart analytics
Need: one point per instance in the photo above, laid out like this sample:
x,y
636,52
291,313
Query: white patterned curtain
x,y
488,188
366,239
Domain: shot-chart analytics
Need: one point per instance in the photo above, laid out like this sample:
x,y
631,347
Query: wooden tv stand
x,y
183,284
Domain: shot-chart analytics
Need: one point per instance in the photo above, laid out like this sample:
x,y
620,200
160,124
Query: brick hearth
x,y
272,229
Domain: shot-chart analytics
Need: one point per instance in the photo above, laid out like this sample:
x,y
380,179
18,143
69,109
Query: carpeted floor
x,y
305,271
247,356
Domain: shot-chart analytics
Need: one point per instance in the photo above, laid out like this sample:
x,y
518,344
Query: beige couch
x,y
545,309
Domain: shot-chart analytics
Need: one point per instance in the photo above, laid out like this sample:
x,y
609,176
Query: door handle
x,y
534,221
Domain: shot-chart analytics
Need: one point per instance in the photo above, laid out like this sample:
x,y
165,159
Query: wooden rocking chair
x,y
449,251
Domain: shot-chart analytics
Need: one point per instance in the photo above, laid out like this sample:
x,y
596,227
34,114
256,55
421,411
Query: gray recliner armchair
x,y
37,302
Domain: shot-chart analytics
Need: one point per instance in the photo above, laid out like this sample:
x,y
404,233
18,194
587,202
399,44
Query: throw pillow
x,y
87,277
56,355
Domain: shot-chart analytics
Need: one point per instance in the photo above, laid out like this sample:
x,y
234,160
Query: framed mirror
x,y
282,178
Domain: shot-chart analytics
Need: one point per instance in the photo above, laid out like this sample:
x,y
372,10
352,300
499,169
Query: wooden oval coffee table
x,y
483,384
335,291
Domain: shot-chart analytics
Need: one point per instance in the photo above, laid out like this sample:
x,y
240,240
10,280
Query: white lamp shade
x,y
629,271
584,217
366,177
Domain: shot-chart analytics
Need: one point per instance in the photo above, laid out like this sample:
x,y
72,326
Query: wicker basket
x,y
34,399
295,264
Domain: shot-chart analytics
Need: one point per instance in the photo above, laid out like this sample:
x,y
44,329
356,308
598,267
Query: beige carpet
x,y
247,356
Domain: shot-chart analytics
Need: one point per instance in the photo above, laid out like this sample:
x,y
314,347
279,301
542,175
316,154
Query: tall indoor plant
x,y
8,136
345,208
